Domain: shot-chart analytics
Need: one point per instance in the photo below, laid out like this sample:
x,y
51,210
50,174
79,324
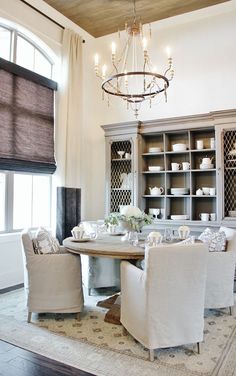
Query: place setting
x,y
79,235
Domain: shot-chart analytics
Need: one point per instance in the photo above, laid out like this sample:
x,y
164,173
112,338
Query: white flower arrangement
x,y
130,218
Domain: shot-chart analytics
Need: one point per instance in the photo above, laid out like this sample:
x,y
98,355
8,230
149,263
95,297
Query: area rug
x,y
101,348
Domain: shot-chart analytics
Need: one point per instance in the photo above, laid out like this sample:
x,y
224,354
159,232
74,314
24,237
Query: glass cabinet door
x,y
229,183
121,175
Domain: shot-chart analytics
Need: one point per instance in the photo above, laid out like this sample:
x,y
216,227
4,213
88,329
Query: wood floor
x,y
15,361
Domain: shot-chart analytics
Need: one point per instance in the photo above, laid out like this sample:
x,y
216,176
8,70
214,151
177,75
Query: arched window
x,y
19,49
25,198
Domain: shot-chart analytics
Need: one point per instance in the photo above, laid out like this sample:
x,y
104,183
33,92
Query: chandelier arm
x,y
125,52
167,70
113,87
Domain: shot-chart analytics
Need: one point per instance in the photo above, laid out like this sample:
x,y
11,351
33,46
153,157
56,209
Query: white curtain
x,y
69,114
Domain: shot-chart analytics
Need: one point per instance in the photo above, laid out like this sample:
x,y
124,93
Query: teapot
x,y
206,160
156,191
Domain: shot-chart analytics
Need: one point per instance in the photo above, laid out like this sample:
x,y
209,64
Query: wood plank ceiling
x,y
101,17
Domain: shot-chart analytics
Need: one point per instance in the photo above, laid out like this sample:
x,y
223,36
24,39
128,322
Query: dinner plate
x,y
81,240
154,150
206,166
155,168
180,216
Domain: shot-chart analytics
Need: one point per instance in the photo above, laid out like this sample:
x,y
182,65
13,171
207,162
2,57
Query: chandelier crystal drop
x,y
133,76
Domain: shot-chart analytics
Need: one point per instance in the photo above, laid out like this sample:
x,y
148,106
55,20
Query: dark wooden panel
x,y
15,361
101,17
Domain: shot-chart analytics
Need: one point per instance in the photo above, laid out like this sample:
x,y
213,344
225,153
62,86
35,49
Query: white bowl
x,y
155,168
155,149
179,147
206,166
180,216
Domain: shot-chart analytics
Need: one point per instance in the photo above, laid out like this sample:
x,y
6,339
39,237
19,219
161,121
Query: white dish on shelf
x,y
179,217
155,149
232,213
179,147
155,168
232,152
204,166
179,191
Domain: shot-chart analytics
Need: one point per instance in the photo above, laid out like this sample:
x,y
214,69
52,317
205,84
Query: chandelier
x,y
133,77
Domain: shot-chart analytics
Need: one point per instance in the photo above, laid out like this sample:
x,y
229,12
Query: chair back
x,y
27,244
27,254
231,239
175,279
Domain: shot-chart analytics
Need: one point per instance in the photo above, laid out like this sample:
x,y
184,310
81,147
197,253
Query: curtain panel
x,y
26,120
70,111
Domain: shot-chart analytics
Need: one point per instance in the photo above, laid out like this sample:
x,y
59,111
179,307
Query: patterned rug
x,y
218,351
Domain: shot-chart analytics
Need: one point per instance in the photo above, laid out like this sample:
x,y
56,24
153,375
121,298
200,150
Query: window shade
x,y
26,120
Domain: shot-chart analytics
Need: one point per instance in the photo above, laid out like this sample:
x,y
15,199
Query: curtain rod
x,y
45,15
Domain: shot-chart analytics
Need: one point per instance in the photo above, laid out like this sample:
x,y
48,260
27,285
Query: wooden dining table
x,y
105,246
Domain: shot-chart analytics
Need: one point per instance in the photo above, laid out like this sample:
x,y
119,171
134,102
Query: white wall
x,y
204,53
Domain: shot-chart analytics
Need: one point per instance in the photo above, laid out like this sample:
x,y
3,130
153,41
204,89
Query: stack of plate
x,y
179,147
155,149
179,217
179,191
155,168
232,213
206,166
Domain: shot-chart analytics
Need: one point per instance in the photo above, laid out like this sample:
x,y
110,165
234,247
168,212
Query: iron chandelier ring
x,y
131,97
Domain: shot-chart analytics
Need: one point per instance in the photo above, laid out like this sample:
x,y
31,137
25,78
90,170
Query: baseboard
x,y
11,288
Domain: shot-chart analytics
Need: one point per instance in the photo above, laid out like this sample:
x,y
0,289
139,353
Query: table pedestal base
x,y
113,304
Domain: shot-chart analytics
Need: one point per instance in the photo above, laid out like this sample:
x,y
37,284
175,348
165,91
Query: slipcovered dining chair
x,y
163,305
220,274
53,282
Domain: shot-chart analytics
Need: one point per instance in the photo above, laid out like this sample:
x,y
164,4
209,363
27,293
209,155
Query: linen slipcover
x,y
220,274
163,305
53,282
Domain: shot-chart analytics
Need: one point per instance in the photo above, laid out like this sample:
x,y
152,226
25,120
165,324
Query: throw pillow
x,y
216,241
45,243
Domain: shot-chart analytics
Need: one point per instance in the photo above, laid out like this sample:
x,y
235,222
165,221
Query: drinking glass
x,y
133,238
121,153
169,234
